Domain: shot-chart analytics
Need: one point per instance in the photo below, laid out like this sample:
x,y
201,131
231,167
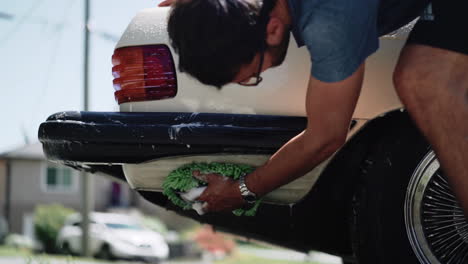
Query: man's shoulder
x,y
339,34
334,19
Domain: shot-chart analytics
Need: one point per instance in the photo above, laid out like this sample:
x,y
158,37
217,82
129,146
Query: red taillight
x,y
143,73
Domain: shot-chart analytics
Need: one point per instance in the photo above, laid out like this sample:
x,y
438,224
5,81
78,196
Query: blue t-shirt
x,y
341,34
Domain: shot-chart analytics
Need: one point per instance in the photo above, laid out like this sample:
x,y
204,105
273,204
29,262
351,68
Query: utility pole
x,y
86,178
8,193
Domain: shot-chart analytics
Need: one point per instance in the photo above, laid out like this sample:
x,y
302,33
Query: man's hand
x,y
166,3
222,193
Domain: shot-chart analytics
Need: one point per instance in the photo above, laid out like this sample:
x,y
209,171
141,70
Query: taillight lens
x,y
143,73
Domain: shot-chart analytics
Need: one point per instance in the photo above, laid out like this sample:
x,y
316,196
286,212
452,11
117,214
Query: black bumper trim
x,y
136,137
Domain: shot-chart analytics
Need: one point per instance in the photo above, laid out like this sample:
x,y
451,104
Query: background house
x,y
27,179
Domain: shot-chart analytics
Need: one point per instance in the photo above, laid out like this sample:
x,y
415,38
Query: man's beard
x,y
279,52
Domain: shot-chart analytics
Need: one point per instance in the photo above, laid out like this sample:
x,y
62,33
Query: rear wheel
x,y
66,249
436,226
151,260
403,209
105,252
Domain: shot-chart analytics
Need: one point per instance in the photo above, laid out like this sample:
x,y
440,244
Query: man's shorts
x,y
444,25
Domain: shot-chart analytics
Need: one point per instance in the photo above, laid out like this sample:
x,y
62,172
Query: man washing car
x,y
224,41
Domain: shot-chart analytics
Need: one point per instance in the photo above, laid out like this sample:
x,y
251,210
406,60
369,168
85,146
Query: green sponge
x,y
181,180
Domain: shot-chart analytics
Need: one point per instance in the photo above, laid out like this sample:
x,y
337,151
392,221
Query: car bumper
x,y
99,137
103,142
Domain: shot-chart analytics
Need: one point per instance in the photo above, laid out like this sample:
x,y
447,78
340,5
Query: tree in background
x,y
48,219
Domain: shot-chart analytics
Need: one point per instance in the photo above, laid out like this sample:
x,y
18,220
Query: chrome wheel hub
x,y
435,224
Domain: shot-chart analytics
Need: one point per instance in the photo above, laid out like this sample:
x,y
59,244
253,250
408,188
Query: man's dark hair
x,y
214,38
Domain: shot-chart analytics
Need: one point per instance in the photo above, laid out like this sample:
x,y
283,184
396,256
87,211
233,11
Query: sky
x,y
41,69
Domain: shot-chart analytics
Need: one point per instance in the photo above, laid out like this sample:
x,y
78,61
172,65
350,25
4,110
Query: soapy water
x,y
401,32
174,130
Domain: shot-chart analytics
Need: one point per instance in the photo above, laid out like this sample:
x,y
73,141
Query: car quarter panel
x,y
281,93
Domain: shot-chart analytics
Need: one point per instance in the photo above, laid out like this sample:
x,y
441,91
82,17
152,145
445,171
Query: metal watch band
x,y
247,195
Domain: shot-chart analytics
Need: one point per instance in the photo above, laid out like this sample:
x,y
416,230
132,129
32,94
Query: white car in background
x,y
381,199
113,236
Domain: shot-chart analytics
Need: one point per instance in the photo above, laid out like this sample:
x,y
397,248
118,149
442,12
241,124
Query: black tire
x,y
152,260
105,253
65,249
378,221
403,209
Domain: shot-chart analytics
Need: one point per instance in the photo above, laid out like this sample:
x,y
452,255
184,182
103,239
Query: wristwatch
x,y
247,195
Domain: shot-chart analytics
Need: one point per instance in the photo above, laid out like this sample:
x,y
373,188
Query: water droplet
x,y
291,218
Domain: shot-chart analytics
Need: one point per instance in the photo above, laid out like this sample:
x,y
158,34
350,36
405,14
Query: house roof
x,y
32,151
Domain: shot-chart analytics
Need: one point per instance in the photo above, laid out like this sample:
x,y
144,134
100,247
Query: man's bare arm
x,y
329,110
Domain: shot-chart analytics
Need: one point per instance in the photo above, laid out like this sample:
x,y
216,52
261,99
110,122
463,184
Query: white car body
x,y
123,236
282,92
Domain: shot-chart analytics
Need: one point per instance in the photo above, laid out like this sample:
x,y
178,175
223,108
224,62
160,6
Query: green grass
x,y
242,258
236,258
31,258
13,252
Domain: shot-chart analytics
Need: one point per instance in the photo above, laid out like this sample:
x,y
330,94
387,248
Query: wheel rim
x,y
436,227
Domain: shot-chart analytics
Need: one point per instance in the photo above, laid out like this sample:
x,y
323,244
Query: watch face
x,y
250,198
